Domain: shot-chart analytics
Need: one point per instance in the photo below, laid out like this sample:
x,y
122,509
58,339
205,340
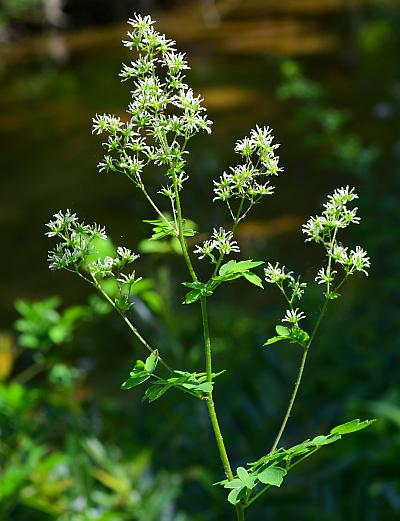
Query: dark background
x,y
325,76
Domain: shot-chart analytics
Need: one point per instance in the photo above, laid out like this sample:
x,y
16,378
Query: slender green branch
x,y
254,498
96,285
180,230
159,212
298,379
207,340
236,221
129,324
300,460
291,402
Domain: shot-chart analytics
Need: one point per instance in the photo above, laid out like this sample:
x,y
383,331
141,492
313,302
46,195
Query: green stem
x,y
291,402
218,437
158,211
207,339
254,498
180,231
130,325
298,379
96,285
207,346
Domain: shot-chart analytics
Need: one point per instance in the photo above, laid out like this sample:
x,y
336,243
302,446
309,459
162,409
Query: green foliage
x,y
164,228
195,384
42,325
295,335
272,469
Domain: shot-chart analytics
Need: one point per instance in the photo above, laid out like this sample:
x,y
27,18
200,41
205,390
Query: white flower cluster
x,y
351,261
76,240
335,216
106,267
76,248
164,112
249,181
221,241
324,228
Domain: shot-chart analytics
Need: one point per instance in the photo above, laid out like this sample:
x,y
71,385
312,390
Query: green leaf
x,y
194,285
272,476
299,336
151,362
273,340
237,493
227,267
253,278
319,441
192,296
247,479
135,380
332,295
247,265
161,228
205,387
352,426
155,391
200,289
238,267
283,331
309,446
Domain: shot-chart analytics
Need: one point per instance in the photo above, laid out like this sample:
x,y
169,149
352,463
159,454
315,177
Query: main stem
x,y
207,347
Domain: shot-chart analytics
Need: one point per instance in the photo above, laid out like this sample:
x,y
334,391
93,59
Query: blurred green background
x,y
73,447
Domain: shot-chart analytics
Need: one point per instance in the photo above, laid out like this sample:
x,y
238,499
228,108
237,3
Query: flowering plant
x,y
163,116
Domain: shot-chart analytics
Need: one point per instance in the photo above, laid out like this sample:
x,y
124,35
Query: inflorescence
x,y
323,229
75,251
163,115
248,182
221,241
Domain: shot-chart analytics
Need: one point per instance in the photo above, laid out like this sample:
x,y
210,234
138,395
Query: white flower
x,y
128,279
359,260
62,221
293,316
205,250
339,254
276,274
324,276
223,241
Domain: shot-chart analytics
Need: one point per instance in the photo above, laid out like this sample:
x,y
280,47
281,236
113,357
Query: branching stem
x,y
207,347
